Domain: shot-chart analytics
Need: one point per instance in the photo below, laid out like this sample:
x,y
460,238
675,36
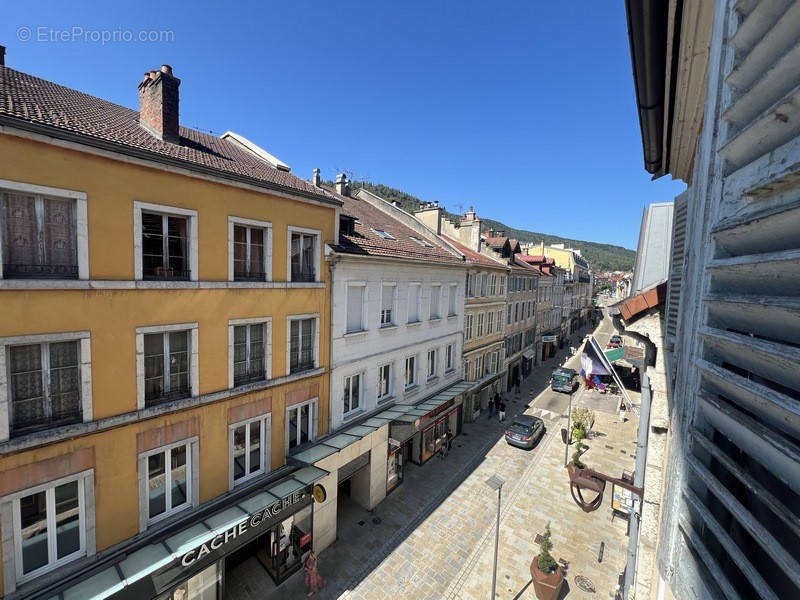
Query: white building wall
x,y
362,353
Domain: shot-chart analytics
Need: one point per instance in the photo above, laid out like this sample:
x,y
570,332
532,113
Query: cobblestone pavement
x,y
433,537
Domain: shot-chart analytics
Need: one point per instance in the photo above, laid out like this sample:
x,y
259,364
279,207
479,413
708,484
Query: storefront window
x,y
203,586
286,543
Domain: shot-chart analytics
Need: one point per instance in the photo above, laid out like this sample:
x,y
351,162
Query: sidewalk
x,y
420,540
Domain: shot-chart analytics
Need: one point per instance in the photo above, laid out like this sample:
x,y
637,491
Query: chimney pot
x,y
342,185
316,179
2,56
166,69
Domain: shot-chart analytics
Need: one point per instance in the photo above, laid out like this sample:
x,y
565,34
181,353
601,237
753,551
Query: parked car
x,y
525,431
614,342
564,380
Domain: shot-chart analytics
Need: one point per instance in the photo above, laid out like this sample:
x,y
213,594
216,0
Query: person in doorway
x,y
517,383
501,411
443,448
491,407
449,440
314,581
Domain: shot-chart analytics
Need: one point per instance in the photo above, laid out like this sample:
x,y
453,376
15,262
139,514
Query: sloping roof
x,y
474,257
27,101
496,242
639,303
366,242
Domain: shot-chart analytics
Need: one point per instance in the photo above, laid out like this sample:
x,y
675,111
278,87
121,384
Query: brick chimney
x,y
342,186
316,179
2,56
158,104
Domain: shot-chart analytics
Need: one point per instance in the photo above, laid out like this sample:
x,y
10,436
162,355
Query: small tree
x,y
547,564
582,418
580,448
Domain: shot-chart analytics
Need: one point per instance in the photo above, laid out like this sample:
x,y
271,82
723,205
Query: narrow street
x,y
433,536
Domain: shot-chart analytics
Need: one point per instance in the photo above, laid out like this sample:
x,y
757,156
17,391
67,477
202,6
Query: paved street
x,y
433,537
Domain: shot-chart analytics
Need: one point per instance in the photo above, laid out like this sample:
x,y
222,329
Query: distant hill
x,y
601,257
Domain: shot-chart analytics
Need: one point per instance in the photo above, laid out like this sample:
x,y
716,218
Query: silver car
x,y
525,431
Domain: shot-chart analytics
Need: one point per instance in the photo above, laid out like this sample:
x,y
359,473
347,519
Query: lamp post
x,y
569,420
496,483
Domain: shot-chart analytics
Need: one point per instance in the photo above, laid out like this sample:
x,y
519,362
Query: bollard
x,y
600,554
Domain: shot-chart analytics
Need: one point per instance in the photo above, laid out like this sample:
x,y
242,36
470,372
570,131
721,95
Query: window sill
x,y
167,515
388,327
385,399
413,323
352,414
432,378
452,316
361,333
411,390
128,284
435,319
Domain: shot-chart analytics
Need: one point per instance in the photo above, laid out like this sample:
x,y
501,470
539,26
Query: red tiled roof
x,y
472,256
643,301
29,99
366,242
495,242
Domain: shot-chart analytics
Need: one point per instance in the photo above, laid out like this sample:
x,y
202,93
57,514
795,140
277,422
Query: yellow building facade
x,y
121,375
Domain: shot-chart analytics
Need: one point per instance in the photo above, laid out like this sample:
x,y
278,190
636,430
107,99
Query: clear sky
x,y
525,110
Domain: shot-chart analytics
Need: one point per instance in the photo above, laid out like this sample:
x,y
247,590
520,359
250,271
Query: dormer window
x,y
383,234
347,225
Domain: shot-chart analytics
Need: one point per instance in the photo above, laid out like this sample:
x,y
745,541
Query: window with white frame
x,y
471,282
250,343
356,307
46,385
484,283
251,250
301,422
165,247
479,332
436,295
39,232
449,361
500,320
384,382
352,393
168,477
166,366
468,318
451,301
493,284
516,312
493,362
387,304
411,371
502,290
479,367
490,322
413,302
249,448
304,250
530,308
433,363
49,526
509,314
302,344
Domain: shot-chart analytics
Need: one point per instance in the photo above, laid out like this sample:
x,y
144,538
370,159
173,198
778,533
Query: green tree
x,y
547,564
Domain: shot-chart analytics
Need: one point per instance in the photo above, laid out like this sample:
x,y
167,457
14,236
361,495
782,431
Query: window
x,y
436,294
451,301
301,422
479,367
413,302
530,308
304,254
165,247
166,366
39,235
411,371
500,320
493,361
249,443
490,322
432,360
421,242
384,382
484,283
249,353
169,480
44,383
509,313
387,304
352,393
384,234
356,306
516,312
471,277
250,247
493,284
468,327
49,526
302,344
502,285
449,361
466,367
479,332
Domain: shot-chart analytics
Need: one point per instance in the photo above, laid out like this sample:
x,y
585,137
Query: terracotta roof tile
x,y
472,256
366,242
42,102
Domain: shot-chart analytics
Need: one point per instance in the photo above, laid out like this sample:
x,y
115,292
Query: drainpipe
x,y
332,260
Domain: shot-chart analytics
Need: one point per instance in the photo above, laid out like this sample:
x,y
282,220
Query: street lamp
x,y
569,420
496,483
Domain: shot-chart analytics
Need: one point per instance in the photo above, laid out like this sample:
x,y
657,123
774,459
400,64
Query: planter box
x,y
546,586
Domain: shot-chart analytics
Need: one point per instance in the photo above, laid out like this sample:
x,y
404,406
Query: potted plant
x,y
547,575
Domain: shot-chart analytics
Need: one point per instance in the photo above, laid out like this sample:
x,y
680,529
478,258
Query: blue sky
x,y
524,110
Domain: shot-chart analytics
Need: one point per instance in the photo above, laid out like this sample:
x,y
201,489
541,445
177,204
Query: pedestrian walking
x,y
622,412
449,440
491,407
519,380
314,581
501,411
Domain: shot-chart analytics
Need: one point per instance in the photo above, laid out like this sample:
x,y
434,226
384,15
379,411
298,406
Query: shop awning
x,y
614,354
149,559
528,354
481,383
407,422
342,438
